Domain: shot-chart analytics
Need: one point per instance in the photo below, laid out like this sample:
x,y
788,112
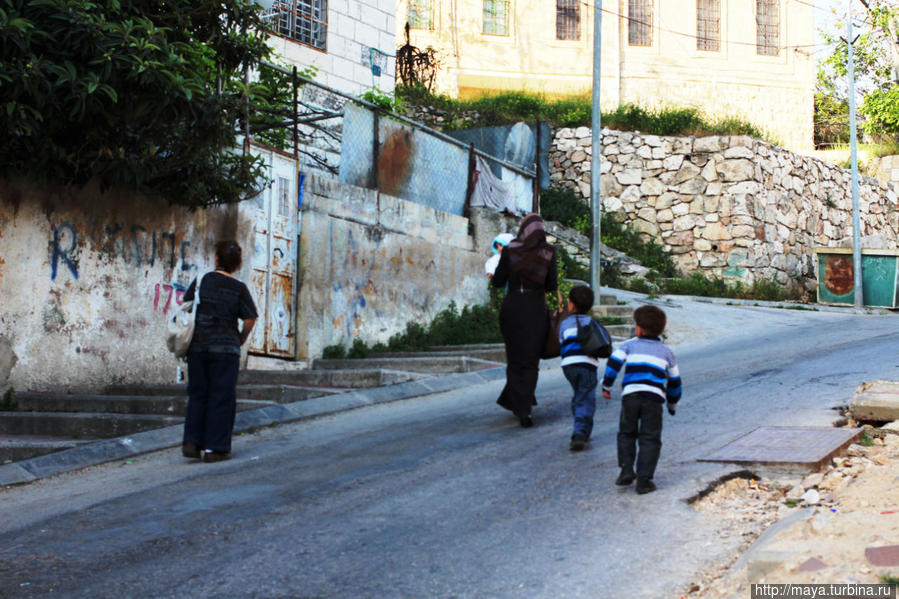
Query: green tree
x,y
135,93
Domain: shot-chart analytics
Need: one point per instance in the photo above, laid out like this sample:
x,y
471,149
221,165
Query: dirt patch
x,y
852,507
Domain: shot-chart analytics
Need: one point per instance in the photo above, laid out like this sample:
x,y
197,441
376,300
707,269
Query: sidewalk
x,y
106,450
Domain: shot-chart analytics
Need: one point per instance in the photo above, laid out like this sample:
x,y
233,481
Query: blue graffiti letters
x,y
60,232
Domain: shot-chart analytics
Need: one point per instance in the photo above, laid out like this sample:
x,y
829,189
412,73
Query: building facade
x,y
751,59
350,43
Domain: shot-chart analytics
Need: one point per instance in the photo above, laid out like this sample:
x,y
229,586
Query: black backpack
x,y
594,339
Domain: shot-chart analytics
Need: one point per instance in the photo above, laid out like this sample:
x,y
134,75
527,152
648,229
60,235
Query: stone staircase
x,y
43,422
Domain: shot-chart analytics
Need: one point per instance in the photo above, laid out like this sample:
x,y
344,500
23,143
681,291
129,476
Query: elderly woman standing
x,y
213,358
528,266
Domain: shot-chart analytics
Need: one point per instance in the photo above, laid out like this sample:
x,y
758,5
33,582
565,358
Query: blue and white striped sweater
x,y
649,366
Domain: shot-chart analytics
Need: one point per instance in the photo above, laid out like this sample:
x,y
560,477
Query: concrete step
x,y
81,425
621,331
356,378
284,393
608,300
494,352
114,404
21,447
622,312
418,364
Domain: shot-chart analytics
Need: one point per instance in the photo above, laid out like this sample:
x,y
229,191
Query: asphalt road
x,y
443,496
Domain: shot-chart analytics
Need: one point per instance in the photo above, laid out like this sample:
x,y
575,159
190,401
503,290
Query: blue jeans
x,y
212,400
583,403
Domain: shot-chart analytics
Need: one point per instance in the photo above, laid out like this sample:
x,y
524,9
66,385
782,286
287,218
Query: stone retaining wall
x,y
729,206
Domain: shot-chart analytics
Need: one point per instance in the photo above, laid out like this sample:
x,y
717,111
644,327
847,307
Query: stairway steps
x,y
86,425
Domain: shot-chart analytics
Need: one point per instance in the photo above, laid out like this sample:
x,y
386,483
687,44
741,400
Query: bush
x,y
334,352
565,206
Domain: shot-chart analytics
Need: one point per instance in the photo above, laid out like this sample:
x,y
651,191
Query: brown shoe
x,y
216,456
190,450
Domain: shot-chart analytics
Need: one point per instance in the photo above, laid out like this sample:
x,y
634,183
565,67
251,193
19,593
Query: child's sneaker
x,y
578,441
625,478
645,485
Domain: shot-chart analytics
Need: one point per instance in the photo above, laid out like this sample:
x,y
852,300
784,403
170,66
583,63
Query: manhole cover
x,y
785,445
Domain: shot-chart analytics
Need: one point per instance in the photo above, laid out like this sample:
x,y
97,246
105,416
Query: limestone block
x,y
701,160
643,226
659,153
583,132
664,216
585,142
738,169
788,219
630,177
742,231
673,163
684,223
746,187
696,207
710,172
702,245
612,204
693,186
707,144
644,152
714,188
666,226
609,185
626,148
565,133
710,261
652,187
711,217
739,152
631,194
648,214
611,150
652,140
653,165
625,137
666,200
683,145
710,204
681,209
686,172
578,156
716,232
680,238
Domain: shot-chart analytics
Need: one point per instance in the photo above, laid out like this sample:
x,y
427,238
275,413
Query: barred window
x,y
305,21
767,19
283,196
568,19
421,14
496,17
639,22
708,25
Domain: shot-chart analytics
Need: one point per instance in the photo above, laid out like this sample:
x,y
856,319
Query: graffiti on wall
x,y
135,245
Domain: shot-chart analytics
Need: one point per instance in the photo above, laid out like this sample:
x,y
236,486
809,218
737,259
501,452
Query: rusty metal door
x,y
274,260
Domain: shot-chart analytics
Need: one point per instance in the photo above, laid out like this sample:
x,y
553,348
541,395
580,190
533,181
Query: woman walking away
x,y
214,356
528,266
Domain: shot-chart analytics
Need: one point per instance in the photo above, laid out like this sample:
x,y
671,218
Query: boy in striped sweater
x,y
651,378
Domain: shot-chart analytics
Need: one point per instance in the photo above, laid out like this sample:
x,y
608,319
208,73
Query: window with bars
x,y
421,14
568,19
767,20
639,22
496,17
305,21
708,25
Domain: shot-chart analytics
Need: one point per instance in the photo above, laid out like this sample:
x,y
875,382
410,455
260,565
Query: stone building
x,y
744,58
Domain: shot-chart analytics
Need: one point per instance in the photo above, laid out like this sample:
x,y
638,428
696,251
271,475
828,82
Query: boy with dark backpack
x,y
582,340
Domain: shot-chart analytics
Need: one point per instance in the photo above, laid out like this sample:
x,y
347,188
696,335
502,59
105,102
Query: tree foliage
x,y
876,58
136,93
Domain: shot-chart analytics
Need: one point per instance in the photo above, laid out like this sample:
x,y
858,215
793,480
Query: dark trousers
x,y
641,421
212,400
583,402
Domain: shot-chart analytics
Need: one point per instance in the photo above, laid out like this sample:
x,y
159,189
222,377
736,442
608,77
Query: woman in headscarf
x,y
528,266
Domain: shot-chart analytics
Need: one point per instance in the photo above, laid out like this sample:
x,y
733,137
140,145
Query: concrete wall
x,y
86,280
354,28
370,263
729,206
773,92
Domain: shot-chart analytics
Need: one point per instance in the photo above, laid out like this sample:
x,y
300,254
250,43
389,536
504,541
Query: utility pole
x,y
853,144
596,157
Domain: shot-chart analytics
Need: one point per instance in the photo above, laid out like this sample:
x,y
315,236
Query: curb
x,y
107,450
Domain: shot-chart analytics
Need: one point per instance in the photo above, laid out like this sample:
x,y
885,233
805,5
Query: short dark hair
x,y
651,319
582,298
228,254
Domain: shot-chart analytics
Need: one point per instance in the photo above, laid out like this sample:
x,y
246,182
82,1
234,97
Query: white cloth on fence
x,y
493,192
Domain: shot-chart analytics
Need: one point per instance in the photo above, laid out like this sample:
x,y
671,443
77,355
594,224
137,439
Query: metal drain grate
x,y
785,445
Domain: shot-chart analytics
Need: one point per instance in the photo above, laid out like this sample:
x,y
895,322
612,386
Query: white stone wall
x,y
730,206
355,27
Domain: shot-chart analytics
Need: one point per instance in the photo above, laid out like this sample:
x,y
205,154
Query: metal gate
x,y
273,260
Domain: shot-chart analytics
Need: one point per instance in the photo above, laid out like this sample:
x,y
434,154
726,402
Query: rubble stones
x,y
774,205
